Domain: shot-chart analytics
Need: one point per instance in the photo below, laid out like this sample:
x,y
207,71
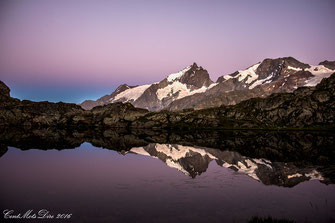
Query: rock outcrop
x,y
27,113
4,91
328,64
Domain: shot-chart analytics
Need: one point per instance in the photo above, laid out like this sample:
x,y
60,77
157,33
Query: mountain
x,y
260,80
157,96
193,161
193,88
89,104
304,108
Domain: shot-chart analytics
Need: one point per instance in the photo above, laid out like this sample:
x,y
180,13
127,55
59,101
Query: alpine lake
x,y
118,175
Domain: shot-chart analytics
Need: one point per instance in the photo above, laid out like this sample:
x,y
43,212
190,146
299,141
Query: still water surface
x,y
173,185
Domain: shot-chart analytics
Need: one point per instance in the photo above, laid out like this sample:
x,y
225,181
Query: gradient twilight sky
x,y
68,50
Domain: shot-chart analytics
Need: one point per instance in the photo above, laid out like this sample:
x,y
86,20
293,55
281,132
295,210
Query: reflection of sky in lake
x,y
101,185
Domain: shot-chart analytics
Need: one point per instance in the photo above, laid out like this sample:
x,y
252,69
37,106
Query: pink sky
x,y
85,49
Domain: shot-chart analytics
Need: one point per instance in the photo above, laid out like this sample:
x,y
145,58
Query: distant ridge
x,y
192,87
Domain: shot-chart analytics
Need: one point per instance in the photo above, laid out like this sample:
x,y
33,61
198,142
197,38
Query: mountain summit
x,y
192,76
259,80
188,81
192,87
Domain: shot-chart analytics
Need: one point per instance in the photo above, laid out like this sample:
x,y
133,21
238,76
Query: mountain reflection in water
x,y
207,176
193,161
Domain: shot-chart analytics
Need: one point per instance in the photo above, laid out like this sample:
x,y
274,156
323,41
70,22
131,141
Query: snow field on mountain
x,y
181,88
174,76
131,94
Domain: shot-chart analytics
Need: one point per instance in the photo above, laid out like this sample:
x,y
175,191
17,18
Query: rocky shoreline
x,y
305,108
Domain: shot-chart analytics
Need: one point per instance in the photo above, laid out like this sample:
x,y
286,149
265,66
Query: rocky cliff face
x,y
4,91
193,88
186,82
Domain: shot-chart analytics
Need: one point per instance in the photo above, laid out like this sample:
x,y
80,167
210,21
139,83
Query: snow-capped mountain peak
x,y
278,70
192,87
179,74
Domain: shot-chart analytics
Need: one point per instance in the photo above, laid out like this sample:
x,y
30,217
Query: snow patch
x,y
131,94
248,169
314,175
263,162
171,89
262,81
294,68
140,151
183,90
249,73
177,166
319,70
178,152
175,153
200,90
227,77
319,73
174,76
294,175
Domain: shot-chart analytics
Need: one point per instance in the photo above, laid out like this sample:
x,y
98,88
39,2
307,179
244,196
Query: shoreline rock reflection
x,y
273,158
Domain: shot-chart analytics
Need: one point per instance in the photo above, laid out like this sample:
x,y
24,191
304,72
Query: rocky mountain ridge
x,y
193,88
306,107
157,96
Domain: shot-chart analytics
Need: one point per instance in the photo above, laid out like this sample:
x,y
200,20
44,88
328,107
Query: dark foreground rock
x,y
305,108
